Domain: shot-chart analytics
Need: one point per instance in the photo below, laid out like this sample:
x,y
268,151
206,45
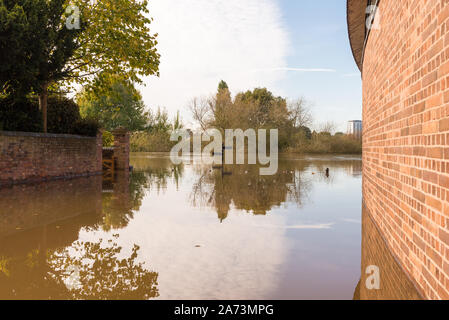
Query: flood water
x,y
187,232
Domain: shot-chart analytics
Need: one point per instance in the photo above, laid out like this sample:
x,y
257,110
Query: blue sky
x,y
293,47
319,39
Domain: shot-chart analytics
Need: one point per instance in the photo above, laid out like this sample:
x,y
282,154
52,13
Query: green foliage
x,y
115,103
260,109
108,139
37,49
20,115
157,137
155,141
35,45
114,38
177,123
257,109
86,127
63,117
159,123
117,40
222,85
306,132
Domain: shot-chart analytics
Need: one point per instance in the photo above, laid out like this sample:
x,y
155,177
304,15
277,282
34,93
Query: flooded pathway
x,y
187,232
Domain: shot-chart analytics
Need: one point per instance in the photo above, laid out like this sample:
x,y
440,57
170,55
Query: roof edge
x,y
356,20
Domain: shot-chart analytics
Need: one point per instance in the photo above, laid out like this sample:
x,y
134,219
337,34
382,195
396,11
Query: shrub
x,y
86,127
21,115
323,143
151,142
63,116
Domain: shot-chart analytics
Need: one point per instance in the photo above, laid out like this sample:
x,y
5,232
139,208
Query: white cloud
x,y
204,41
350,75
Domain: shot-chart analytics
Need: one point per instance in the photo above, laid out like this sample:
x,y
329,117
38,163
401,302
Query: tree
x,y
114,102
327,127
201,111
41,46
15,31
252,109
221,107
177,122
268,110
112,37
160,122
257,109
300,113
306,131
222,85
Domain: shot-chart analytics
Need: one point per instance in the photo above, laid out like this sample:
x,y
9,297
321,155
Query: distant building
x,y
355,128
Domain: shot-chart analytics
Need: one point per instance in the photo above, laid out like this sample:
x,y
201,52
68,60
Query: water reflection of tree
x,y
36,263
84,270
244,187
119,206
94,271
159,177
159,170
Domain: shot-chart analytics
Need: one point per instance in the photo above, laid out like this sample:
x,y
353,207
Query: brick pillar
x,y
121,149
99,155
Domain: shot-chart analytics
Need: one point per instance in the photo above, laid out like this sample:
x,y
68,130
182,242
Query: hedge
x,y
63,117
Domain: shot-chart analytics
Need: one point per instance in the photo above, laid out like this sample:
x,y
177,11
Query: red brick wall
x,y
32,157
406,137
395,284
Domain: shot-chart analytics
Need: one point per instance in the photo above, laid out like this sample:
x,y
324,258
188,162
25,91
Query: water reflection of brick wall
x,y
406,137
394,282
24,207
36,156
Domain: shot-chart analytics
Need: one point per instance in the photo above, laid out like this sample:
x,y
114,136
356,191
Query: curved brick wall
x,y
406,137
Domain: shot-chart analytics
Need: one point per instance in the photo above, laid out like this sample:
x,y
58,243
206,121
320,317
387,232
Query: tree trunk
x,y
43,106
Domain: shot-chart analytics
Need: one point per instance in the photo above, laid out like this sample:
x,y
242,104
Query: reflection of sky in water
x,y
234,260
291,252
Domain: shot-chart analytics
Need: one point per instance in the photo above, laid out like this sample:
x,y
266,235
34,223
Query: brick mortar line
x,y
394,225
436,226
395,255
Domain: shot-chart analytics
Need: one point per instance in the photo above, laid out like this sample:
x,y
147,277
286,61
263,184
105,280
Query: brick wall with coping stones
x,y
406,137
35,157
